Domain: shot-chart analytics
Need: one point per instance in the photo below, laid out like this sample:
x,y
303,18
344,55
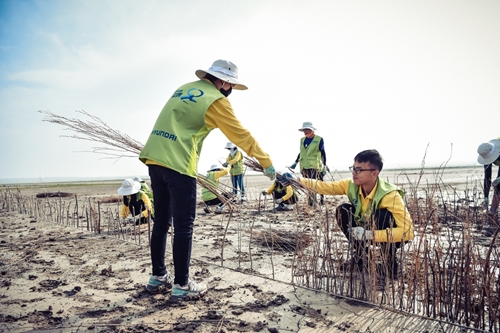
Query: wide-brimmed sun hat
x,y
224,70
488,152
230,145
307,125
129,186
214,167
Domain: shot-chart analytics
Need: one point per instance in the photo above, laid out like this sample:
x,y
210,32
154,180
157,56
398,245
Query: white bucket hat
x,y
138,179
214,167
230,145
307,125
129,186
224,70
488,152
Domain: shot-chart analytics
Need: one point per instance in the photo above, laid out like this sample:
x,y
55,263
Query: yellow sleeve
x,y
403,231
148,205
221,115
235,159
124,211
329,188
289,193
271,188
221,173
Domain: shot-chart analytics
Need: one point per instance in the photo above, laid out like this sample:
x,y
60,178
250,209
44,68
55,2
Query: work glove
x,y
496,181
286,178
264,192
225,165
359,233
270,172
278,201
323,173
293,165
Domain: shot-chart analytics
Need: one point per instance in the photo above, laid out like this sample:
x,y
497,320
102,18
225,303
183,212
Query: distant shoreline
x,y
9,182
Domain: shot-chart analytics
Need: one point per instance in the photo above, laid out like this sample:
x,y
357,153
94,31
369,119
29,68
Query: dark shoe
x,y
207,210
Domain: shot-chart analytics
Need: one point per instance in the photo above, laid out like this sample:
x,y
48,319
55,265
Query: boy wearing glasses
x,y
375,211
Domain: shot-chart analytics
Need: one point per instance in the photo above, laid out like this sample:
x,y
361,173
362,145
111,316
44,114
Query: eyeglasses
x,y
357,171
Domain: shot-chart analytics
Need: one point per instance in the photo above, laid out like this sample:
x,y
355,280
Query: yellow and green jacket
x,y
383,195
213,179
125,211
236,160
192,111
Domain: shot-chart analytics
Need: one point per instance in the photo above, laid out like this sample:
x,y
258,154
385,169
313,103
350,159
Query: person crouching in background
x,y
135,202
284,196
208,197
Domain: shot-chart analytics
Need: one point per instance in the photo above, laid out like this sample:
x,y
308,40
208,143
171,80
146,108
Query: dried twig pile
x,y
283,240
117,144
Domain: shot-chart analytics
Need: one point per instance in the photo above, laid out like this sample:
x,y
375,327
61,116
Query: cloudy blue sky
x,y
398,76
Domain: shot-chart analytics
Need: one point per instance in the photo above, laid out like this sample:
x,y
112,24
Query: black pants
x,y
383,219
290,201
175,199
313,174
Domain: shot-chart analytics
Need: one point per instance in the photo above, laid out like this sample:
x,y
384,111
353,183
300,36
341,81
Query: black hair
x,y
211,77
371,156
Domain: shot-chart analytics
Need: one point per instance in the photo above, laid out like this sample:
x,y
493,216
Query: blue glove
x,y
293,165
270,172
286,178
496,181
359,233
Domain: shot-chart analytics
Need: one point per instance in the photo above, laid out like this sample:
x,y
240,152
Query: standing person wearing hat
x,y
312,156
171,154
376,211
235,159
208,196
135,202
489,154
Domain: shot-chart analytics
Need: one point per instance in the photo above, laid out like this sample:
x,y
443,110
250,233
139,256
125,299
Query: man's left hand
x,y
359,233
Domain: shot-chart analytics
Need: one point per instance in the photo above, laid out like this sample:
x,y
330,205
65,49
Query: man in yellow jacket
x,y
172,152
376,211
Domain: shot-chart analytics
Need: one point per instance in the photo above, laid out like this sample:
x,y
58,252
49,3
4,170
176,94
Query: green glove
x,y
270,172
496,181
293,165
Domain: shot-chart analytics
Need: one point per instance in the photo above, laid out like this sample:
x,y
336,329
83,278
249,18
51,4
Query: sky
x,y
417,80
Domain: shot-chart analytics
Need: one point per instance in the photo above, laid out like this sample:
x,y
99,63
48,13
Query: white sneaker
x,y
219,210
191,289
155,282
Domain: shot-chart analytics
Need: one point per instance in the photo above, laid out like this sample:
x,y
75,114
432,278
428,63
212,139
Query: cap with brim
x,y
307,125
488,152
225,71
129,186
230,145
214,167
